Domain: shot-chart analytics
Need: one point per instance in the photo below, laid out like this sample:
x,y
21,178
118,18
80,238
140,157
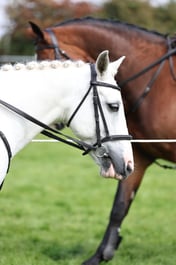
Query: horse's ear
x,y
38,32
102,62
116,64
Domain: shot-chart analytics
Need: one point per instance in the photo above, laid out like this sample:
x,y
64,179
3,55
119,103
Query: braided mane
x,y
101,22
43,65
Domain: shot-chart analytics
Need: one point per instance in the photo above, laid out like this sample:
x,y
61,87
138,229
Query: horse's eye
x,y
114,106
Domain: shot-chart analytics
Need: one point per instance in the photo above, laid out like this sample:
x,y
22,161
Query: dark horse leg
x,y
126,191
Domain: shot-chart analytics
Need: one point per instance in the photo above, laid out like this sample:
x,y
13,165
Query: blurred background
x,y
156,15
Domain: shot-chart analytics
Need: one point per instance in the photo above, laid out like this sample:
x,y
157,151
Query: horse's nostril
x,y
129,167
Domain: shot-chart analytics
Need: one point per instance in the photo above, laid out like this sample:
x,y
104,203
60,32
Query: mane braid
x,y
34,65
90,20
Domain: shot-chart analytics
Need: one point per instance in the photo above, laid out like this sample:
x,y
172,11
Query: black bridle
x,y
53,133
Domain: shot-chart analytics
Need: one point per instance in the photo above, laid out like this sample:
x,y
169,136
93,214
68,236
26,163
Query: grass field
x,y
54,208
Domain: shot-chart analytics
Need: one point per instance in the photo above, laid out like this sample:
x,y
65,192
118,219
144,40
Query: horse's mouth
x,y
111,173
108,170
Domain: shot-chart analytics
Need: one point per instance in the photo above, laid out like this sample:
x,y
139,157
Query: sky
x,y
4,21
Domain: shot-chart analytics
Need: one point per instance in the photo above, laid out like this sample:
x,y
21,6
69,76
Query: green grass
x,y
54,208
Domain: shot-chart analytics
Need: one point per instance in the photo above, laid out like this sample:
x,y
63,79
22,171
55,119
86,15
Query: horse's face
x,y
117,159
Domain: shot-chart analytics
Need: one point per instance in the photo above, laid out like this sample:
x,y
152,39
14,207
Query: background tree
x,y
141,12
44,13
165,17
136,12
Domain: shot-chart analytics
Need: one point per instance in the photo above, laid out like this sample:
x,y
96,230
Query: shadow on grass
x,y
57,251
60,252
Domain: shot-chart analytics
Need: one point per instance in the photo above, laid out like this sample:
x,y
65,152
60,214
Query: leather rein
x,y
57,135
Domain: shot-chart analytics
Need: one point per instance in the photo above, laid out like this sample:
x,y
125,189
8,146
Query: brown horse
x,y
149,95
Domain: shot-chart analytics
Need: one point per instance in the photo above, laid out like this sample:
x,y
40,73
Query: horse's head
x,y
98,119
48,47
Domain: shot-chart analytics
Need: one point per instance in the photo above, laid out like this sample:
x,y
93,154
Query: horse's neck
x,y
80,40
42,94
119,38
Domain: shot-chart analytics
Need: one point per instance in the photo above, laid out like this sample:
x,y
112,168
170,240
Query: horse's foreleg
x,y
122,202
124,196
112,238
